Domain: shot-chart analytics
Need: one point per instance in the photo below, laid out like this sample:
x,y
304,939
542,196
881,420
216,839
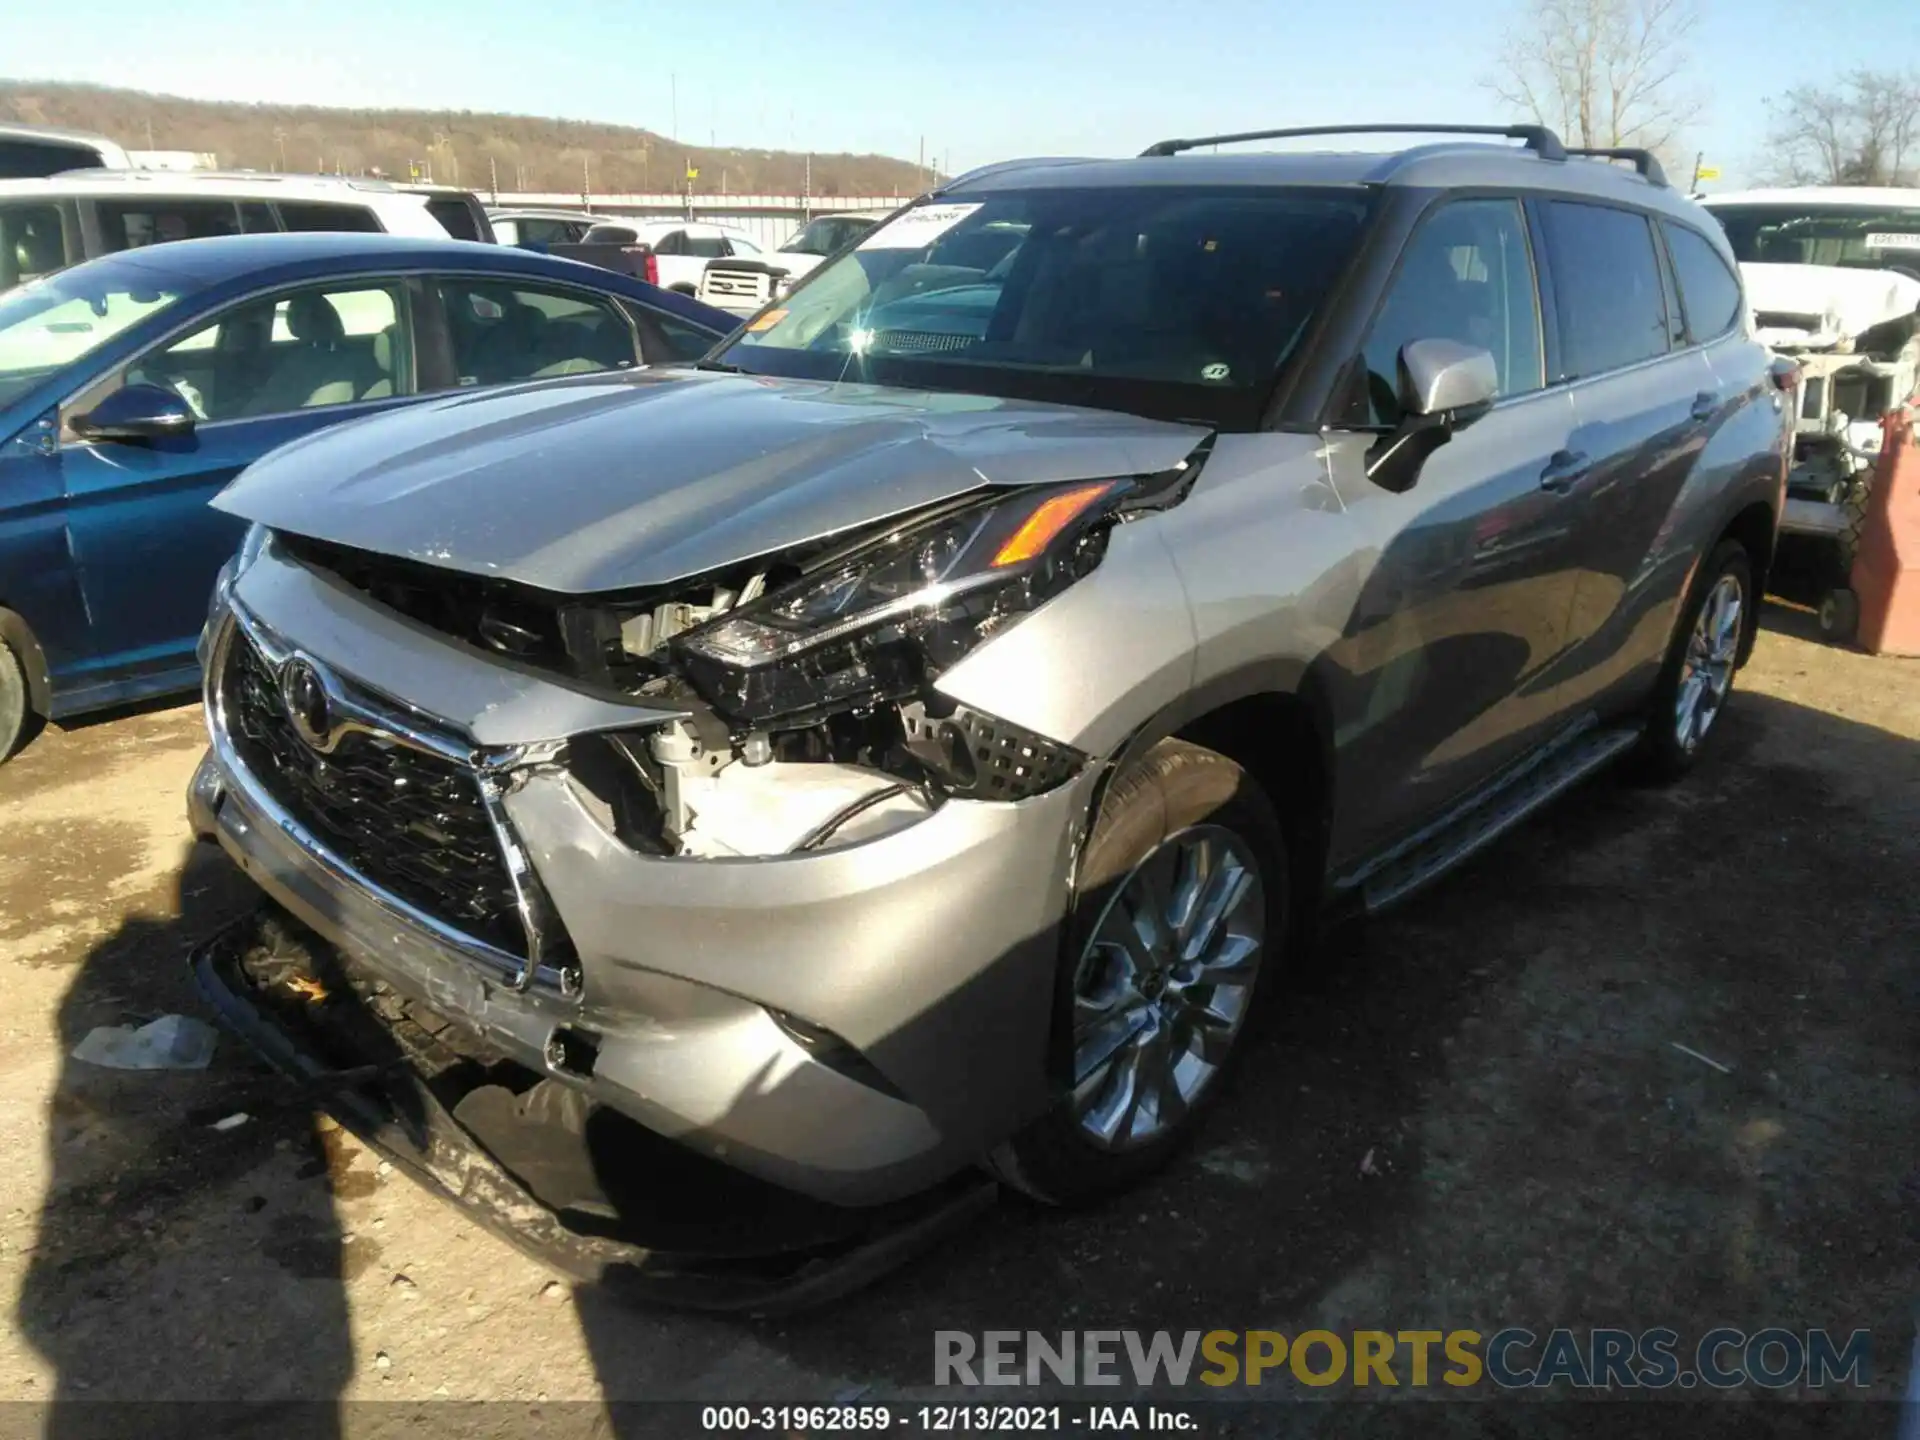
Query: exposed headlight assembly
x,y
881,621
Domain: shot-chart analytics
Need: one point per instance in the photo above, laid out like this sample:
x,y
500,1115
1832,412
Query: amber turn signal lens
x,y
1043,527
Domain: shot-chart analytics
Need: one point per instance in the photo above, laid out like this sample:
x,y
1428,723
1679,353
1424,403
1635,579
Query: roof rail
x,y
1643,160
1539,139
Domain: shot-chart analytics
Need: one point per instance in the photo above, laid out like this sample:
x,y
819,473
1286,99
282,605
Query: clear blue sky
x,y
979,79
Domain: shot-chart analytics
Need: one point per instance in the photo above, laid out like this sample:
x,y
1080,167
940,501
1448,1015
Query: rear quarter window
x,y
457,218
1709,293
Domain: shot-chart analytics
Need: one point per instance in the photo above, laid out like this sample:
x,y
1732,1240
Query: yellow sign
x,y
1706,172
692,174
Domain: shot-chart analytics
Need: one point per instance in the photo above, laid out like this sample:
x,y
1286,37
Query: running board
x,y
1484,819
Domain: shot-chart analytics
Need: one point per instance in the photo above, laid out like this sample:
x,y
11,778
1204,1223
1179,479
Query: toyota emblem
x,y
304,694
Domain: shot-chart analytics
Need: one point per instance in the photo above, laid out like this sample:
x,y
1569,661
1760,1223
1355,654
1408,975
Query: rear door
x,y
1447,662
259,373
1644,399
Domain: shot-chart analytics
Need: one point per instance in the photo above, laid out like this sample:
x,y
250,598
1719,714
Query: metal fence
x,y
769,219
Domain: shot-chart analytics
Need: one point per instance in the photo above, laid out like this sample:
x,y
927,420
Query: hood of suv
x,y
639,479
1817,306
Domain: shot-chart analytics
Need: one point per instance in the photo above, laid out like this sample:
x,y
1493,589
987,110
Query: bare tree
x,y
1603,73
1862,130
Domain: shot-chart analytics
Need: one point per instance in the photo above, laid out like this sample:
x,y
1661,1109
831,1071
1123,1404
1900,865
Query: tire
x,y
1839,615
17,719
1663,754
1846,545
1163,819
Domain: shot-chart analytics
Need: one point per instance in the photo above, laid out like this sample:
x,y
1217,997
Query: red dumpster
x,y
1886,571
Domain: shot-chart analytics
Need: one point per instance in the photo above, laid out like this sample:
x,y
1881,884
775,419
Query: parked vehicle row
x,y
918,735
133,387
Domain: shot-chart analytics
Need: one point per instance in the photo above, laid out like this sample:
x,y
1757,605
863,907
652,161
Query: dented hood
x,y
1829,303
641,478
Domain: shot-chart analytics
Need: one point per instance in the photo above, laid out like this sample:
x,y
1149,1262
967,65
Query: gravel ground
x,y
1473,1114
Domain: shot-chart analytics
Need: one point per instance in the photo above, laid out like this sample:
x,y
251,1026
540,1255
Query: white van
x,y
47,224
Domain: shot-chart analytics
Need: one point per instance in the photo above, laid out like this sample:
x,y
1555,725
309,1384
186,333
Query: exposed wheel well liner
x,y
1279,739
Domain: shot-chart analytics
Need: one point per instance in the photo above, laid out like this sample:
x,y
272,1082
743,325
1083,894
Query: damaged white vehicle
x,y
1833,276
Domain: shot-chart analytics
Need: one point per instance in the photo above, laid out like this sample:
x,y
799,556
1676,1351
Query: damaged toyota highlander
x,y
907,744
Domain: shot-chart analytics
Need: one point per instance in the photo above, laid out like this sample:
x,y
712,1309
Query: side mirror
x,y
1444,386
138,412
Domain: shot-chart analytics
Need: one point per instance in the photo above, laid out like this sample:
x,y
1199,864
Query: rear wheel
x,y
1697,679
16,711
1183,906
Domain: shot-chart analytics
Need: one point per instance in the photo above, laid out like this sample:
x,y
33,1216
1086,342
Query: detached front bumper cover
x,y
387,1103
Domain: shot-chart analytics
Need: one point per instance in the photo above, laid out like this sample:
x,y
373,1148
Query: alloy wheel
x,y
1163,986
1706,672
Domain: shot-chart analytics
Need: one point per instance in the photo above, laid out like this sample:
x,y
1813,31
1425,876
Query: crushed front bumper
x,y
799,1260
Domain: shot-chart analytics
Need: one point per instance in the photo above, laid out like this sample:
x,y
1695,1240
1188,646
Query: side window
x,y
544,232
328,217
32,242
130,224
706,247
1709,293
665,340
330,345
674,242
1606,280
1466,276
256,218
502,332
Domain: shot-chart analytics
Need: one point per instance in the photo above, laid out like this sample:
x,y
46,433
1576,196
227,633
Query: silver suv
x,y
916,737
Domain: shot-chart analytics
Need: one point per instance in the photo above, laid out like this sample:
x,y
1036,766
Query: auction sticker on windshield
x,y
917,229
1892,240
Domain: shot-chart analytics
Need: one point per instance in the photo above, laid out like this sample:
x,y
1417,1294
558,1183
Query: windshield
x,y
51,323
1850,235
1160,301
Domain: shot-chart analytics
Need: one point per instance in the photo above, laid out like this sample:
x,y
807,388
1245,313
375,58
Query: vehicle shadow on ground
x,y
175,1260
1473,1114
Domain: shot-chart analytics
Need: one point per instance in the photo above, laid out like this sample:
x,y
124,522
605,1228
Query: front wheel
x,y
1183,902
16,712
1697,680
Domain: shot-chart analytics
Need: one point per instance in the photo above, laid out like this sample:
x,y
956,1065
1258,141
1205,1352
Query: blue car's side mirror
x,y
136,412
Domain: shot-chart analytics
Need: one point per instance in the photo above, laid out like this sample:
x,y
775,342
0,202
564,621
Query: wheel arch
x,y
20,637
1272,720
1755,527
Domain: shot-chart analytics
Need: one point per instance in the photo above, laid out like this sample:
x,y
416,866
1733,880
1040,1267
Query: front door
x,y
1446,671
262,373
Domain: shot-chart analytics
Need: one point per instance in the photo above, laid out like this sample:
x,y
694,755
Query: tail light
x,y
649,264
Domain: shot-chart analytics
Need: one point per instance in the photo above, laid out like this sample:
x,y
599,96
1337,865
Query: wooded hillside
x,y
464,147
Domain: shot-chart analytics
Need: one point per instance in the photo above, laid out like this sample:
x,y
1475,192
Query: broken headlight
x,y
880,622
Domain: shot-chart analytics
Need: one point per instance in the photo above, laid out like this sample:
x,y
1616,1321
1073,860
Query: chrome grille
x,y
410,822
735,284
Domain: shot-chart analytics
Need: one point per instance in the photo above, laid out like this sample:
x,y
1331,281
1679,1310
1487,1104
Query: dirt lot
x,y
1477,1117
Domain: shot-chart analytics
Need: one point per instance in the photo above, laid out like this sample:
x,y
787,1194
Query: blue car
x,y
133,387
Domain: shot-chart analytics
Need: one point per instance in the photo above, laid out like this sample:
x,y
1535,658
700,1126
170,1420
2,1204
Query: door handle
x,y
1705,406
1564,470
